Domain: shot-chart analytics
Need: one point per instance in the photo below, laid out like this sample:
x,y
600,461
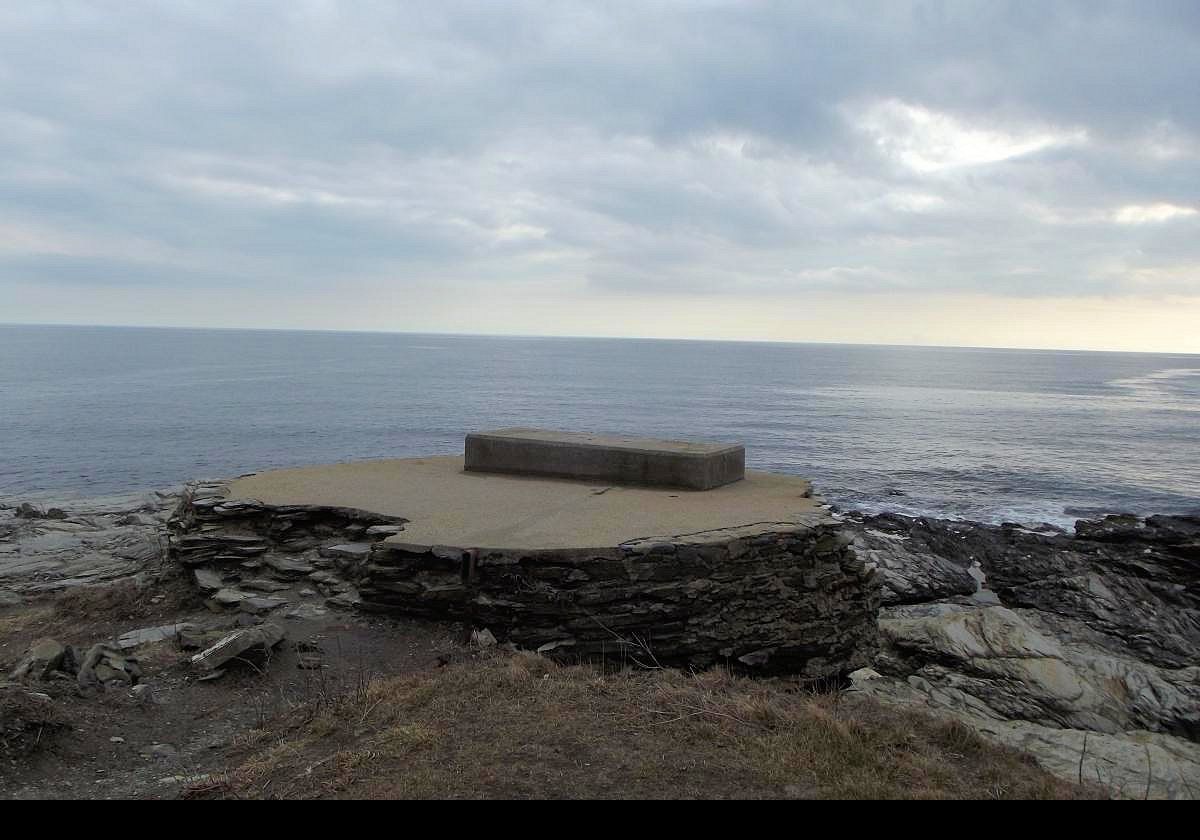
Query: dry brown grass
x,y
20,622
520,726
27,723
124,602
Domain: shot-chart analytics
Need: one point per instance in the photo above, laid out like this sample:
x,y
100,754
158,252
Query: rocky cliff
x,y
1080,647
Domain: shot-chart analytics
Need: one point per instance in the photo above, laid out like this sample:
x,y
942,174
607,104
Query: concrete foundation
x,y
752,574
620,460
445,505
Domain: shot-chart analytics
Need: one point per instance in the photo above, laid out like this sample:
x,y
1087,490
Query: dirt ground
x,y
116,746
409,709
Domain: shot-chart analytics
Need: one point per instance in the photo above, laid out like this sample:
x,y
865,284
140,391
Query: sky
x,y
1021,174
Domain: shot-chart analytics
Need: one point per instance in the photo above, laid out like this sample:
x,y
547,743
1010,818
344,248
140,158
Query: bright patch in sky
x,y
928,141
1141,214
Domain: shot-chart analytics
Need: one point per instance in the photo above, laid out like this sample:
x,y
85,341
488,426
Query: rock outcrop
x,y
88,542
1066,638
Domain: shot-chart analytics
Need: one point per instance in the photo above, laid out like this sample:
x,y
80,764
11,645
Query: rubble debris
x,y
106,666
150,635
195,638
347,600
261,605
44,657
228,598
263,637
208,580
305,612
288,567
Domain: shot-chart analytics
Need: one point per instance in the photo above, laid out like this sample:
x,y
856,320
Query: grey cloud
x,y
677,149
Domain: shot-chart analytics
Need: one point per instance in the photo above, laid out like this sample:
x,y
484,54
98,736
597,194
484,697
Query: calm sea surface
x,y
980,434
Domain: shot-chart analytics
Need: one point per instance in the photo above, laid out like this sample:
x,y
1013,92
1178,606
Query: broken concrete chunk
x,y
263,637
149,635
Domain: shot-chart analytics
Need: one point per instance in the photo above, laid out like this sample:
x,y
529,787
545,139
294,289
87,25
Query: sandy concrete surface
x,y
447,506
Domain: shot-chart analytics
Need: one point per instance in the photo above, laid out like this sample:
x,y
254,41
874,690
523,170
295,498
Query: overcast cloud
x,y
789,171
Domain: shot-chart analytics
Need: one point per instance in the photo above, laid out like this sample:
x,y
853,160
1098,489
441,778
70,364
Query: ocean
x,y
988,435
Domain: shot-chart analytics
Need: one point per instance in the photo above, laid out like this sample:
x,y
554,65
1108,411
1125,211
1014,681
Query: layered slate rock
x,y
1082,648
1132,584
209,528
773,598
251,557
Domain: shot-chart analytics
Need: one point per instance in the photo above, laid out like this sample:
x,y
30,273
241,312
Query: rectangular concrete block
x,y
602,458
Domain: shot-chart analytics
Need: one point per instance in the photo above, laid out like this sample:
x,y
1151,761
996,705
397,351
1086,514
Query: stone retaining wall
x,y
210,528
769,598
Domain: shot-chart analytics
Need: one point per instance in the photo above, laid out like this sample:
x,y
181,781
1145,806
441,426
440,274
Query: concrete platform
x,y
622,460
451,507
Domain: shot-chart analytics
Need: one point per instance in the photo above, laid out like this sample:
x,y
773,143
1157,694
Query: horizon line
x,y
448,334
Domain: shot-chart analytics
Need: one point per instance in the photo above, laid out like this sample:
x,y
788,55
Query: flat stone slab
x,y
620,460
237,643
447,506
149,635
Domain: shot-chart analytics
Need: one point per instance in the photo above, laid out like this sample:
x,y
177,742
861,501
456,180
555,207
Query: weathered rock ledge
x,y
1080,648
93,541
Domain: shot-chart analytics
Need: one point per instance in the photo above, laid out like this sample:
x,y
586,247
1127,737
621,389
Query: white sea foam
x,y
1169,384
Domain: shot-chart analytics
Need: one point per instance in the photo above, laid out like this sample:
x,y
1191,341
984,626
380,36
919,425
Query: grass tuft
x,y
520,726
